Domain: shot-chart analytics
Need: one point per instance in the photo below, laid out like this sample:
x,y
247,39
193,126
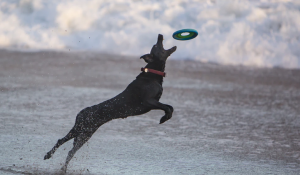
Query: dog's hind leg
x,y
78,142
68,137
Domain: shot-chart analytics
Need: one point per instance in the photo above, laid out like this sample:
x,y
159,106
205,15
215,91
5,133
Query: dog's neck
x,y
156,65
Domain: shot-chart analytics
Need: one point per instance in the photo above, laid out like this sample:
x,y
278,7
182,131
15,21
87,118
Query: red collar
x,y
154,71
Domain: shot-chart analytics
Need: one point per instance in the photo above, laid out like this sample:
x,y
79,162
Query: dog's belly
x,y
117,107
91,118
123,110
135,110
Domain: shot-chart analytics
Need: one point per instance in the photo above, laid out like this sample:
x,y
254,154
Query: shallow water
x,y
227,120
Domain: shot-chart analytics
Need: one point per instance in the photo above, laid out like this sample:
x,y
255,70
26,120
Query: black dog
x,y
141,96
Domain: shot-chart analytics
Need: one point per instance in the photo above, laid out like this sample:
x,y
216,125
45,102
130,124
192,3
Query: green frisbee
x,y
191,34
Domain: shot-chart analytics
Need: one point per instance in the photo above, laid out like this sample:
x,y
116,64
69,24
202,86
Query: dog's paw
x,y
165,118
63,170
47,156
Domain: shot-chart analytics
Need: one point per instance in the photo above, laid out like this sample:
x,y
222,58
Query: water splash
x,y
256,33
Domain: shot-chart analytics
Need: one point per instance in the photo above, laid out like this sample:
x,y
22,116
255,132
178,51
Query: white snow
x,y
264,33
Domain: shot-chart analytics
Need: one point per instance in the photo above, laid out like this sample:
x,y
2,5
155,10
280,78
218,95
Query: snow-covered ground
x,y
264,33
227,119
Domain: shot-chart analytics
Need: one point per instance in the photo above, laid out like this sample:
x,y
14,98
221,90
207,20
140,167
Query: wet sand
x,y
227,119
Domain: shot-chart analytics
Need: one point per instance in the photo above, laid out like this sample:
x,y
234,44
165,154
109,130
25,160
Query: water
x,y
239,32
226,120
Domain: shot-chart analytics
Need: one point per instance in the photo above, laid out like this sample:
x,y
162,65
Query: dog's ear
x,y
148,58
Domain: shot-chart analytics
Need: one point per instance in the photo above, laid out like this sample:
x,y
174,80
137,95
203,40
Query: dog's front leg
x,y
154,104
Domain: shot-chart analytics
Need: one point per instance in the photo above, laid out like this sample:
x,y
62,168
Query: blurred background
x,y
260,33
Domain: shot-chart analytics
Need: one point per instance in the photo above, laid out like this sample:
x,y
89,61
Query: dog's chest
x,y
159,94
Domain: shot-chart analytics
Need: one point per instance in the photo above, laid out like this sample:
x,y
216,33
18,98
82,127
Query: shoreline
x,y
94,52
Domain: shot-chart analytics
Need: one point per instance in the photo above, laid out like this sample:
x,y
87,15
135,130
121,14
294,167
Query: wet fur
x,y
140,96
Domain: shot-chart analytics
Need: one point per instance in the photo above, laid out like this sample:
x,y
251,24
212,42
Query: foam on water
x,y
248,32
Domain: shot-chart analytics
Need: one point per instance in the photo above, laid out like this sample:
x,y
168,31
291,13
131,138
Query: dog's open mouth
x,y
159,44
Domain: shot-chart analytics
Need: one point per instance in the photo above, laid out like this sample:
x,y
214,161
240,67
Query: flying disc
x,y
191,34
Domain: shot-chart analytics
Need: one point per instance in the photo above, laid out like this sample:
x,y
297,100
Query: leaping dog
x,y
140,96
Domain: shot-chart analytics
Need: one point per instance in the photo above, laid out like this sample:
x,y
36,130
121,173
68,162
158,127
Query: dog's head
x,y
158,53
